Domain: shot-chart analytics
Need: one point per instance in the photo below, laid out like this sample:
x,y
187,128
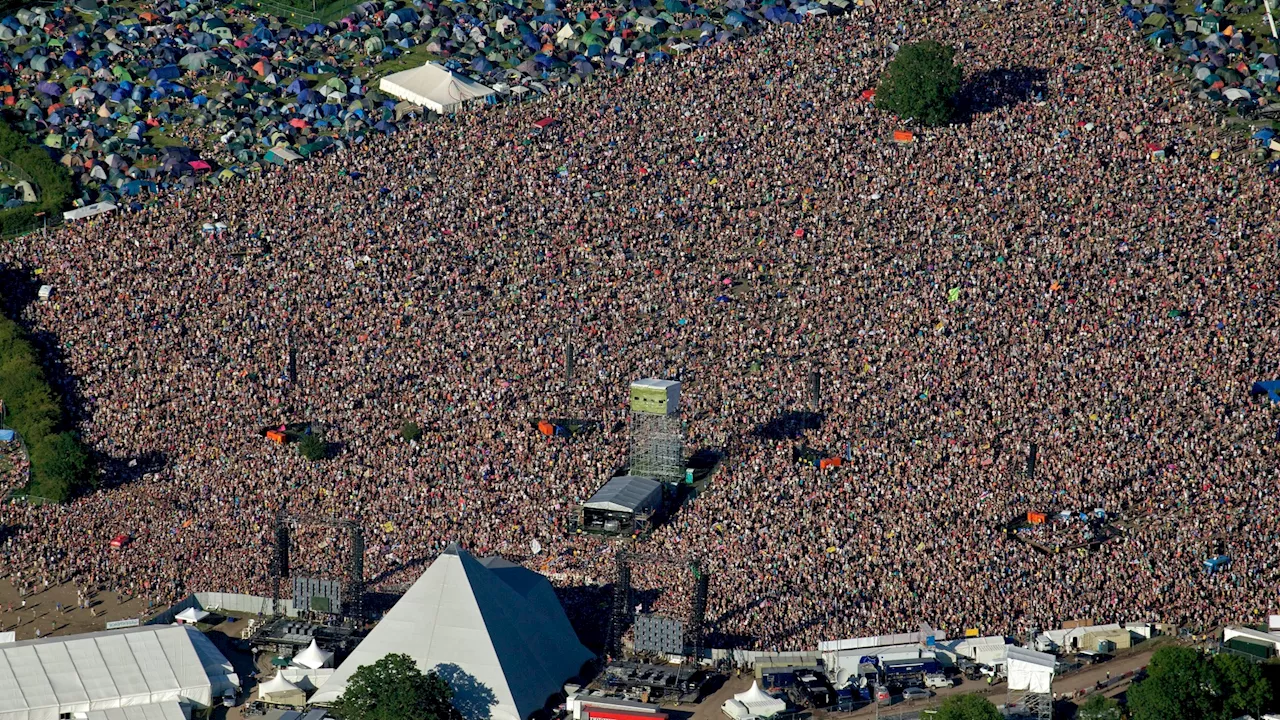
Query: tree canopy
x,y
921,83
59,461
968,707
393,688
1183,684
1099,707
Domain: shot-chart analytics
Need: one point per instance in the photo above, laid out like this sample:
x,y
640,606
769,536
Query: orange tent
x,y
546,428
903,136
275,436
1035,518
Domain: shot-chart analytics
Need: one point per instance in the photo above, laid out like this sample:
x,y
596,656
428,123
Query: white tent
x,y
46,678
757,702
279,691
155,711
1029,670
735,709
88,211
313,657
493,630
191,615
434,86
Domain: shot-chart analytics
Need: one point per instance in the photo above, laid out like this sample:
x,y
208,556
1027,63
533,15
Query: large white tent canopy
x,y
43,679
157,711
493,630
434,86
1029,670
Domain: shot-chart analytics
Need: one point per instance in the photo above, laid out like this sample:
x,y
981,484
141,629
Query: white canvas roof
x,y
42,679
156,711
760,702
313,657
494,630
433,86
627,493
88,211
191,615
1029,670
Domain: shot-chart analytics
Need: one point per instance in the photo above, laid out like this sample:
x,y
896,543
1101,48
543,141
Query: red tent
x,y
120,540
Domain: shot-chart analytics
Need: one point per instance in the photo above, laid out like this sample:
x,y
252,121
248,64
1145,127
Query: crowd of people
x,y
1030,275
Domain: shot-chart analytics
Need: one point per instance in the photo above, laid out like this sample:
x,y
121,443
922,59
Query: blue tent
x,y
6,436
168,72
1270,387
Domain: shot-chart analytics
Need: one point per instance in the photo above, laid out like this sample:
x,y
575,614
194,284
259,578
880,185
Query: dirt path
x,y
42,612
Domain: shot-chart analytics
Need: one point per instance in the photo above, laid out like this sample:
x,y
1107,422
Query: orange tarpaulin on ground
x,y
903,136
1035,518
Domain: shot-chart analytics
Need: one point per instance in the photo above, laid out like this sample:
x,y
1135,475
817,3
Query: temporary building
x,y
313,657
493,630
1029,670
105,671
434,86
279,691
753,701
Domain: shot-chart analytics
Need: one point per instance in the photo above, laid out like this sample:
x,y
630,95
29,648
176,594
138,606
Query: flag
x,y
953,294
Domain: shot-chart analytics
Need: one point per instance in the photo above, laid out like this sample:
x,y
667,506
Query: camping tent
x,y
88,211
434,86
492,629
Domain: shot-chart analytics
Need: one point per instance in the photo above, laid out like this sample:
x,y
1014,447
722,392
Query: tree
x,y
1245,690
59,467
968,707
410,431
921,82
393,688
313,447
1180,685
1099,707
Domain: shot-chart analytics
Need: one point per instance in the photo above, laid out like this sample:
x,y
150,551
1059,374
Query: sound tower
x,y
621,610
1031,460
698,611
815,390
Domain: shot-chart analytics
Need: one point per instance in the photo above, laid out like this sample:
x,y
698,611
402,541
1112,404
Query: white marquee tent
x,y
313,657
279,691
434,86
494,630
43,679
191,615
1029,670
753,702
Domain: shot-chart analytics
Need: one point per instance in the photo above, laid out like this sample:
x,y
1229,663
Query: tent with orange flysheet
x,y
903,136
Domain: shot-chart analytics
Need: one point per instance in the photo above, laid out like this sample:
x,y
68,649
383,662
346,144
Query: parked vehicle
x,y
937,680
915,693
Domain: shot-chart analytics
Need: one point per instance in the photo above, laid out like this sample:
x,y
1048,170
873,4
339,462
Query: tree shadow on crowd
x,y
999,88
18,290
473,699
789,425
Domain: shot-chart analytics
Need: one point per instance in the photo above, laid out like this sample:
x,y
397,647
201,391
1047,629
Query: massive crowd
x,y
1113,309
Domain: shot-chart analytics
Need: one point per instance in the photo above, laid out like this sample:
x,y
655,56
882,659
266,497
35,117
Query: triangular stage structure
x,y
495,631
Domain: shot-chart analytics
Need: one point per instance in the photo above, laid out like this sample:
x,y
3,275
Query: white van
x,y
937,680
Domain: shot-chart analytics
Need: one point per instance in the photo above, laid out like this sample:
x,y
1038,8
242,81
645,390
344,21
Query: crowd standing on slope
x,y
1113,309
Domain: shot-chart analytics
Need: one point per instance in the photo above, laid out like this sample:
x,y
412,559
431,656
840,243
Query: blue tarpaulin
x,y
6,436
1270,387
